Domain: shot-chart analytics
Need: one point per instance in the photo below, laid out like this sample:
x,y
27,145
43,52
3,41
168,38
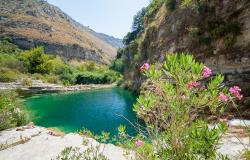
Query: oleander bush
x,y
177,94
11,113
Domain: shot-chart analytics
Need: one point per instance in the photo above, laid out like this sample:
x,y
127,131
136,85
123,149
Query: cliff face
x,y
30,23
219,35
216,32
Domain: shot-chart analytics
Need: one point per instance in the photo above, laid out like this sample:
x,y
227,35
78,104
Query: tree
x,y
137,27
37,61
138,21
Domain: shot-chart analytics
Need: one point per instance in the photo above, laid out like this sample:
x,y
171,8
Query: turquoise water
x,y
96,110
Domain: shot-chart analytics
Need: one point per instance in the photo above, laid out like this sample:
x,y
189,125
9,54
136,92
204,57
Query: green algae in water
x,y
97,110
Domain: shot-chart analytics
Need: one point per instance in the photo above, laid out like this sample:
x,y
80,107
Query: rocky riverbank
x,y
37,86
38,143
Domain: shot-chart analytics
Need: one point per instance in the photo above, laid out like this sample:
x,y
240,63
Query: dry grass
x,y
63,33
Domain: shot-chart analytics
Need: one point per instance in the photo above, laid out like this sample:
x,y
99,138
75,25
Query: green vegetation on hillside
x,y
6,47
153,7
35,64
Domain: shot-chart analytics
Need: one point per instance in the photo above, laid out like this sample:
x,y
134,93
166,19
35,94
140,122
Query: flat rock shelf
x,y
38,144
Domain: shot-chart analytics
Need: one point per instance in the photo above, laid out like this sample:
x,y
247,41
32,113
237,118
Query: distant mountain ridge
x,y
115,42
31,23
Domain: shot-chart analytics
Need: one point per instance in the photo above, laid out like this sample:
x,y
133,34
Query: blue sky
x,y
112,17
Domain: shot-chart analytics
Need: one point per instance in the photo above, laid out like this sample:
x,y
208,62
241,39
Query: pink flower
x,y
223,97
206,72
190,85
183,96
235,90
138,143
144,67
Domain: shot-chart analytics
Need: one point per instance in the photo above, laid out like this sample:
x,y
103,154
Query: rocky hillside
x,y
115,42
215,32
31,23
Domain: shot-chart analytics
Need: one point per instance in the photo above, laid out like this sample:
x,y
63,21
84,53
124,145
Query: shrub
x,y
11,114
12,61
118,65
85,132
111,76
171,4
57,61
8,75
8,48
64,71
100,76
51,78
38,76
198,6
177,93
87,78
94,151
188,4
129,38
91,66
37,61
74,153
91,78
221,29
245,154
152,8
26,82
67,78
